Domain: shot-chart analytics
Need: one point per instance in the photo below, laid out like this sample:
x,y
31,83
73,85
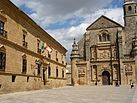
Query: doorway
x,y
105,78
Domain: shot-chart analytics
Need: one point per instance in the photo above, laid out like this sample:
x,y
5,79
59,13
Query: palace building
x,y
29,57
107,53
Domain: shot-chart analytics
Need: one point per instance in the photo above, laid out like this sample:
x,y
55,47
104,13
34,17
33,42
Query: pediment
x,y
103,22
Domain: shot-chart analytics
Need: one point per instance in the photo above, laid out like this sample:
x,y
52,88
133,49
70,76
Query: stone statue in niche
x,y
94,54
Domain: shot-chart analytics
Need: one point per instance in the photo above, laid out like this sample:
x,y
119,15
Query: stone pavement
x,y
79,94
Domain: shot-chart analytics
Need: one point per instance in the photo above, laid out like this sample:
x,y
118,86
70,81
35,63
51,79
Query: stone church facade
x,y
29,57
107,53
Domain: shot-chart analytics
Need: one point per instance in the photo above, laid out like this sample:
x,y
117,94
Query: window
x,y
49,55
2,60
24,64
1,27
100,40
62,59
108,37
135,9
49,71
56,71
24,43
13,78
56,56
27,79
129,8
104,37
62,73
38,46
39,66
2,31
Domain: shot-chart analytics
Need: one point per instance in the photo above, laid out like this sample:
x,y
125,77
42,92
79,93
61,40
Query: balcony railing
x,y
3,33
25,44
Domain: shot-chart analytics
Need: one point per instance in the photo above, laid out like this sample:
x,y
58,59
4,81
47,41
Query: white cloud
x,y
49,11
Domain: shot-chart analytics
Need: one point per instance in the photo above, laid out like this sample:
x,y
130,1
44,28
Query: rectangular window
x,y
49,71
1,25
2,60
39,66
38,46
56,72
2,31
13,78
24,43
27,79
62,73
24,66
56,56
49,55
62,59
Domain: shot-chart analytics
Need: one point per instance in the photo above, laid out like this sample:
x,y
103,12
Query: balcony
x,y
25,44
3,33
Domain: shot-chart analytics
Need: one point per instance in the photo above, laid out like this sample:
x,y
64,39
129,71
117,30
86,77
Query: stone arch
x,y
2,57
103,36
129,8
102,70
2,49
24,56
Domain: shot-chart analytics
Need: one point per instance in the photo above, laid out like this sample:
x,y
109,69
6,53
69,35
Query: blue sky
x,y
68,19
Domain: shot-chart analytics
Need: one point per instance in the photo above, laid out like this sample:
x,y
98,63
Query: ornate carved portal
x,y
105,78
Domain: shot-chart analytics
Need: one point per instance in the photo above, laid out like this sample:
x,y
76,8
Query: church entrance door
x,y
105,78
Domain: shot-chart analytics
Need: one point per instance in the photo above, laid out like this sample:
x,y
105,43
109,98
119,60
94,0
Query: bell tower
x,y
130,31
130,11
130,22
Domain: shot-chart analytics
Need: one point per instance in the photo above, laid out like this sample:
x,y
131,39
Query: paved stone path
x,y
80,94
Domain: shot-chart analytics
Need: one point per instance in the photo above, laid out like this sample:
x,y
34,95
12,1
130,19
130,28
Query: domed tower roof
x,y
75,51
129,1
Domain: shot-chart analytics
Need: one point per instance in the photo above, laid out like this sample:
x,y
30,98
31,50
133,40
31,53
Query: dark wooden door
x,y
105,78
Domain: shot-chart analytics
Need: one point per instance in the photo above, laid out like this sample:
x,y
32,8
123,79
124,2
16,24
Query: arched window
x,y
2,58
129,8
103,36
24,64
